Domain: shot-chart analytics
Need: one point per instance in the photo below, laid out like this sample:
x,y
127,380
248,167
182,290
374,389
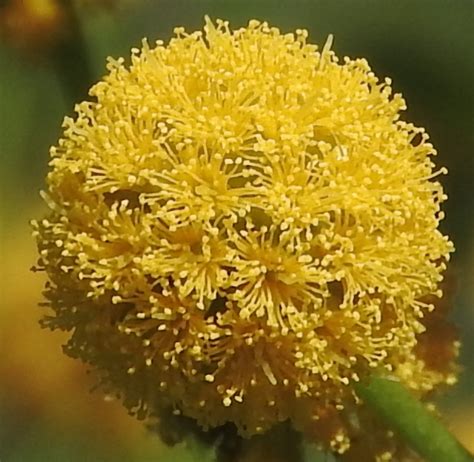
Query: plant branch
x,y
71,60
410,418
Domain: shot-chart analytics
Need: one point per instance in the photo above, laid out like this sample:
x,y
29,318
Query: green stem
x,y
280,444
410,418
71,59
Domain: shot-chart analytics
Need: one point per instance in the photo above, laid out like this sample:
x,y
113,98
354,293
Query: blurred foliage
x,y
46,412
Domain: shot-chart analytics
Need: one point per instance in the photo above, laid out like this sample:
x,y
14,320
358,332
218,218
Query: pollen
x,y
246,220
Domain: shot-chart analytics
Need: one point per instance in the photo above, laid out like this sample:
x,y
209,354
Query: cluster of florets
x,y
240,225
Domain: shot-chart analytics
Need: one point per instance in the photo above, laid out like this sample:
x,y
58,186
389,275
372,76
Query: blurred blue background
x,y
426,46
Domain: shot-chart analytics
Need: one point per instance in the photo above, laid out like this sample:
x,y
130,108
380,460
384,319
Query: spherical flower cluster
x,y
240,226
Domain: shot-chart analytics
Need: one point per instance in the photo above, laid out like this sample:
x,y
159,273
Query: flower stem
x,y
71,60
281,444
410,418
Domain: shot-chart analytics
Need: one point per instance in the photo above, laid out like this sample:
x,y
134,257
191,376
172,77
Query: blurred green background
x,y
46,410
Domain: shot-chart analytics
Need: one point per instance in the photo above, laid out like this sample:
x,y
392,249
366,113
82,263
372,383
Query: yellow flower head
x,y
240,225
